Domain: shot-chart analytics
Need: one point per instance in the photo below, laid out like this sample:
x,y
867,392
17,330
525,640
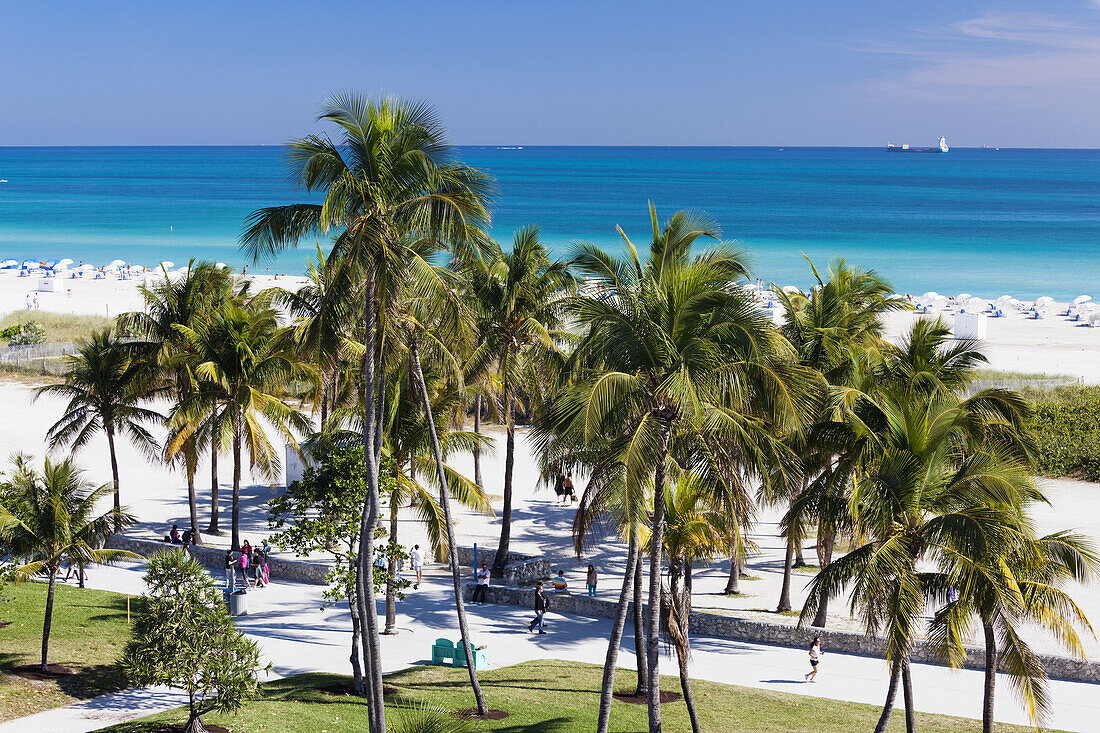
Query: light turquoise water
x,y
1024,222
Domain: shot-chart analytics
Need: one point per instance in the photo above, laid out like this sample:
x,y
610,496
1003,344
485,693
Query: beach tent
x,y
9,264
1082,299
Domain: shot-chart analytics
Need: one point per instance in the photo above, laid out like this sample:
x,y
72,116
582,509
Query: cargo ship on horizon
x,y
906,149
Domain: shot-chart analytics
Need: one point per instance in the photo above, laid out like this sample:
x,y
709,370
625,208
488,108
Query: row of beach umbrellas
x,y
64,264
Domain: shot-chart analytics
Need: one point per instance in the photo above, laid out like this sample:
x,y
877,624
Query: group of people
x,y
563,487
187,539
250,561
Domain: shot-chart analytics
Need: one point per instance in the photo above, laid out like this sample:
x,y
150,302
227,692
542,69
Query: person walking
x,y
243,562
541,605
567,490
591,581
416,557
482,585
815,659
230,571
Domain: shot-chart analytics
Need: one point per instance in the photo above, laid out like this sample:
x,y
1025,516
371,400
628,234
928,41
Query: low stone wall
x,y
730,627
520,570
301,571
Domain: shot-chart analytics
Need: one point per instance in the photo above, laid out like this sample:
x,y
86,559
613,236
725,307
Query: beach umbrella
x,y
111,267
49,264
1044,300
85,268
220,266
1082,299
64,263
930,295
963,297
167,265
183,270
31,264
118,263
791,289
8,264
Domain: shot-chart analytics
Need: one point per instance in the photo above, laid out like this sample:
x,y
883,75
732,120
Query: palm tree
x,y
392,188
520,298
105,385
1004,592
241,367
832,328
49,518
199,292
672,347
930,492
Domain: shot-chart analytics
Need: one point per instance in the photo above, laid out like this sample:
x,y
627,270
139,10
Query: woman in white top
x,y
815,658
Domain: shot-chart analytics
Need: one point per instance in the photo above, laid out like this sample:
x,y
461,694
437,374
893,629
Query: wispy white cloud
x,y
995,56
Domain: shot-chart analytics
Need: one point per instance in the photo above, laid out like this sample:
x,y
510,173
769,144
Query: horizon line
x,y
515,146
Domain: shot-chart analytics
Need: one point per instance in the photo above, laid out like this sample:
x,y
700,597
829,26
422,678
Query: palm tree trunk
x,y
910,708
452,545
682,653
799,560
192,500
639,628
356,662
364,577
391,588
990,677
788,564
509,463
47,619
477,447
236,535
733,585
653,616
785,591
891,693
826,543
114,477
212,528
607,686
324,401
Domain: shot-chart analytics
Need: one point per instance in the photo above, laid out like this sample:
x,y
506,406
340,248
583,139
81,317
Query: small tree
x,y
184,637
322,512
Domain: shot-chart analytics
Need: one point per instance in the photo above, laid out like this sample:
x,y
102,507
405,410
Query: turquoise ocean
x,y
1022,222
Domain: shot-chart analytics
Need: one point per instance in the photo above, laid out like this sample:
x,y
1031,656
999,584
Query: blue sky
x,y
852,72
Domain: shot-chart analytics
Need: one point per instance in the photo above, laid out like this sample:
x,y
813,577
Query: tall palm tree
x,y
1005,591
105,385
520,298
391,185
50,518
672,346
930,492
241,367
832,328
201,290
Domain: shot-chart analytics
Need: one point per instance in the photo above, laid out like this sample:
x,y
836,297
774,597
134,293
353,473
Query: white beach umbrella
x,y
1082,299
64,263
167,265
930,295
1044,300
117,263
791,288
135,268
1004,299
111,267
962,297
6,264
85,268
182,271
31,264
221,266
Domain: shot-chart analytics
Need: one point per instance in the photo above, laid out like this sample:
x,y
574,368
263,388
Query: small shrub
x,y
29,333
1066,424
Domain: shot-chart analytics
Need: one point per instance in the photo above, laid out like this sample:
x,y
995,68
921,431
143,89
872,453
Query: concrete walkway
x,y
297,636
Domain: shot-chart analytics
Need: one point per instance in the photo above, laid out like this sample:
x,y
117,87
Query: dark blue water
x,y
1024,222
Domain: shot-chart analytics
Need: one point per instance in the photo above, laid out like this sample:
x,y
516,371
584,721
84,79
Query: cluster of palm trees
x,y
653,373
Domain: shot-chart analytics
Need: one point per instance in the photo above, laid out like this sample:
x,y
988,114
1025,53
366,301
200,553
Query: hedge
x,y
1066,422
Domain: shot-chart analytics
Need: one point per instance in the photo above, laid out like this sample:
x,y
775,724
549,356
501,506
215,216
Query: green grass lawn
x,y
88,635
548,697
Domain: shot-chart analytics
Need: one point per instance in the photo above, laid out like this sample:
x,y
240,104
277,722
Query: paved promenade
x,y
296,636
